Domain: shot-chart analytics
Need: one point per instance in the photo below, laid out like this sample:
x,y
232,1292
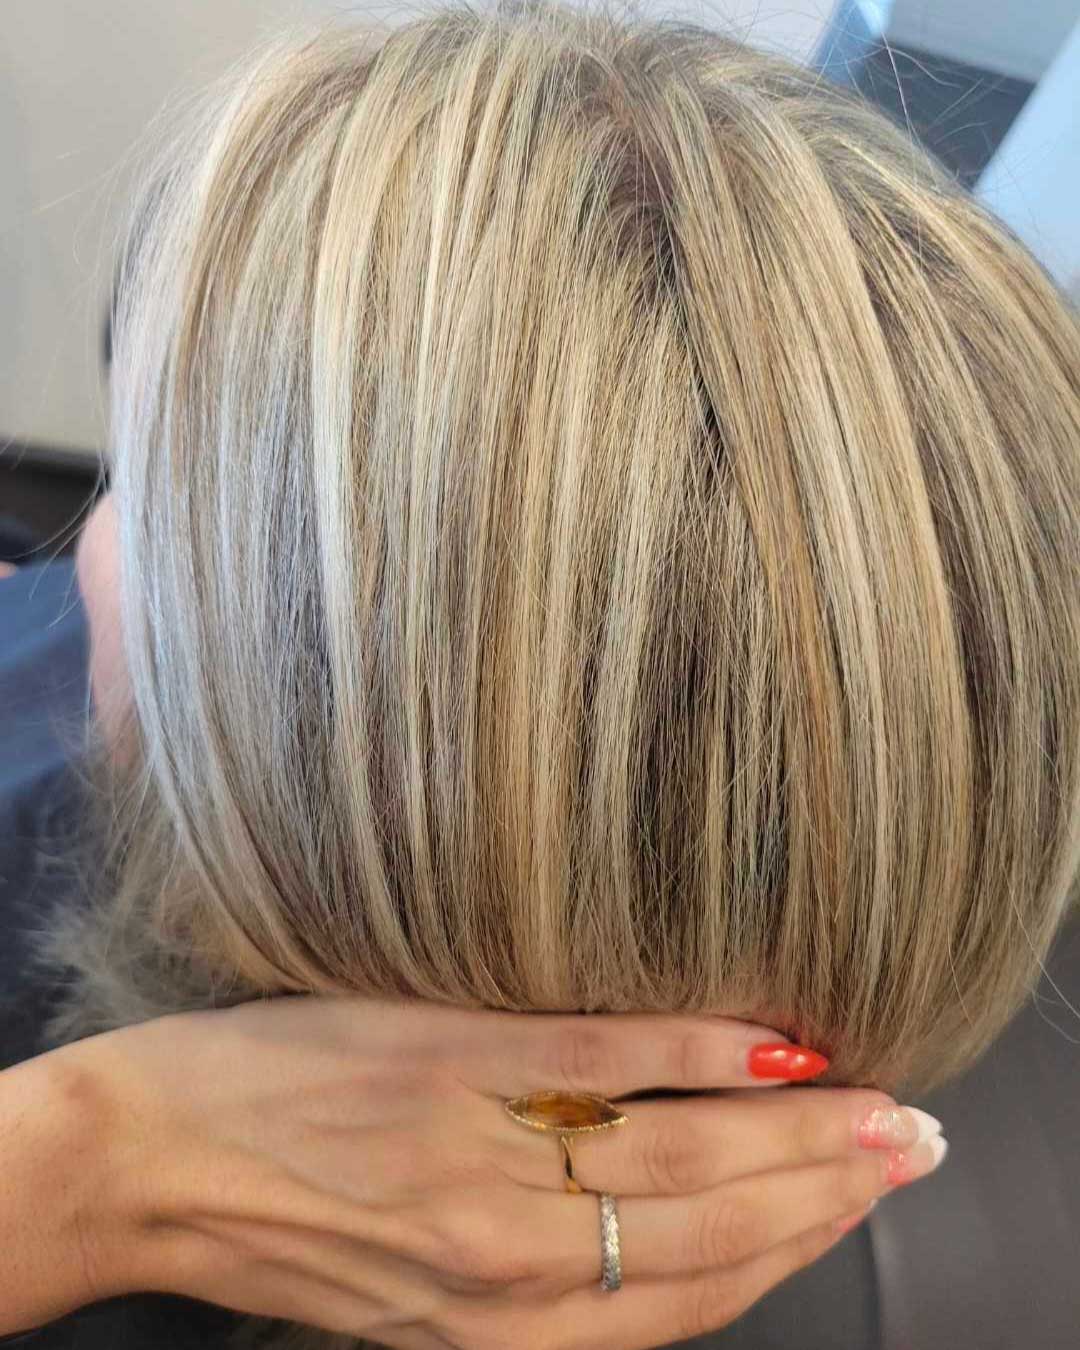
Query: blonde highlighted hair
x,y
598,515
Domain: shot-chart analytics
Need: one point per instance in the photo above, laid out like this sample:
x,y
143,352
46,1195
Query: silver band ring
x,y
610,1260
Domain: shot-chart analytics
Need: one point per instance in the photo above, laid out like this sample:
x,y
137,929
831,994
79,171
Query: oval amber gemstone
x,y
566,1112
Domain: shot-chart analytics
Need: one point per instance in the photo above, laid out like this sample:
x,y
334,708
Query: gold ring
x,y
564,1114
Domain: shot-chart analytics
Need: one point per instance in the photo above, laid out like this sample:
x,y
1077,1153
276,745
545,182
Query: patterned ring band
x,y
610,1261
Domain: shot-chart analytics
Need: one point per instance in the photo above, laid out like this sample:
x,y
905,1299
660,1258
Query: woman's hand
x,y
349,1164
7,570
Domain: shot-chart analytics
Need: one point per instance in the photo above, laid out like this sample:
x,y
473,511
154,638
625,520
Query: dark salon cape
x,y
983,1256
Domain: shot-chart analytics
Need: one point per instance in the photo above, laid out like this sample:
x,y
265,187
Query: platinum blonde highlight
x,y
599,522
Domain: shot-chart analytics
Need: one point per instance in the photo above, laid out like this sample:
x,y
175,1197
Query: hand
x,y
7,570
349,1164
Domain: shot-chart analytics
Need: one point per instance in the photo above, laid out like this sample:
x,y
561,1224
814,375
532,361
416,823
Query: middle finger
x,y
682,1145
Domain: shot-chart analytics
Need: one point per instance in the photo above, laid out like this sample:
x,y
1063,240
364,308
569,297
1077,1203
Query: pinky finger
x,y
656,1312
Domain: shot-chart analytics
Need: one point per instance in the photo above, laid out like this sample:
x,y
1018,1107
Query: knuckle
x,y
674,1161
725,1234
464,1243
493,1264
709,1306
691,1058
811,1132
812,1244
583,1057
430,1231
860,1182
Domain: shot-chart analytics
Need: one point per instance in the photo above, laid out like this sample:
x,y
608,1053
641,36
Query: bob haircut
x,y
599,531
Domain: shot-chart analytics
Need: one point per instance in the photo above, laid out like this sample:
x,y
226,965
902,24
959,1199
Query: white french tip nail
x,y
939,1146
929,1127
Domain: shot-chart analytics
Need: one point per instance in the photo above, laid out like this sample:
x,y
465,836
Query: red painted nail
x,y
780,1060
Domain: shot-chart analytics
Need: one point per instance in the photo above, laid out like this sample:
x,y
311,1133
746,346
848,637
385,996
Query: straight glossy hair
x,y
599,528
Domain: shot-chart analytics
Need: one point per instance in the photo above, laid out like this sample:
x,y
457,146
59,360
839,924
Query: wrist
x,y
46,1253
71,1218
121,1235
85,1123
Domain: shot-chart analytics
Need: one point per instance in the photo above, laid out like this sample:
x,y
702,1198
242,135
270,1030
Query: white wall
x,y
1033,181
792,27
1013,37
79,80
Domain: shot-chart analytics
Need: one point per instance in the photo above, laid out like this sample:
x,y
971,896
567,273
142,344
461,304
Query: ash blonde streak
x,y
599,522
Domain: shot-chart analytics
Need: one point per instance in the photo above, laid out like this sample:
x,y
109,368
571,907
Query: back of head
x,y
599,531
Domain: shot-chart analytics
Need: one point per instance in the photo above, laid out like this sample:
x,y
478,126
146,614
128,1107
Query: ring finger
x,y
654,1312
661,1236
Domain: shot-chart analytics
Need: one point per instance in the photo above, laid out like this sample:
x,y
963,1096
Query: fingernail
x,y
845,1225
780,1060
917,1162
899,1127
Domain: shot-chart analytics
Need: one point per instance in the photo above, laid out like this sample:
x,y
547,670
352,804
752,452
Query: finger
x,y
613,1054
661,1236
680,1146
646,1313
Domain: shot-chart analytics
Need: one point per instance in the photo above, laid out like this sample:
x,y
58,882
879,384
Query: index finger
x,y
614,1054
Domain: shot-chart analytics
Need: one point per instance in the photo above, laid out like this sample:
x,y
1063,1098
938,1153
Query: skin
x,y
97,567
348,1162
